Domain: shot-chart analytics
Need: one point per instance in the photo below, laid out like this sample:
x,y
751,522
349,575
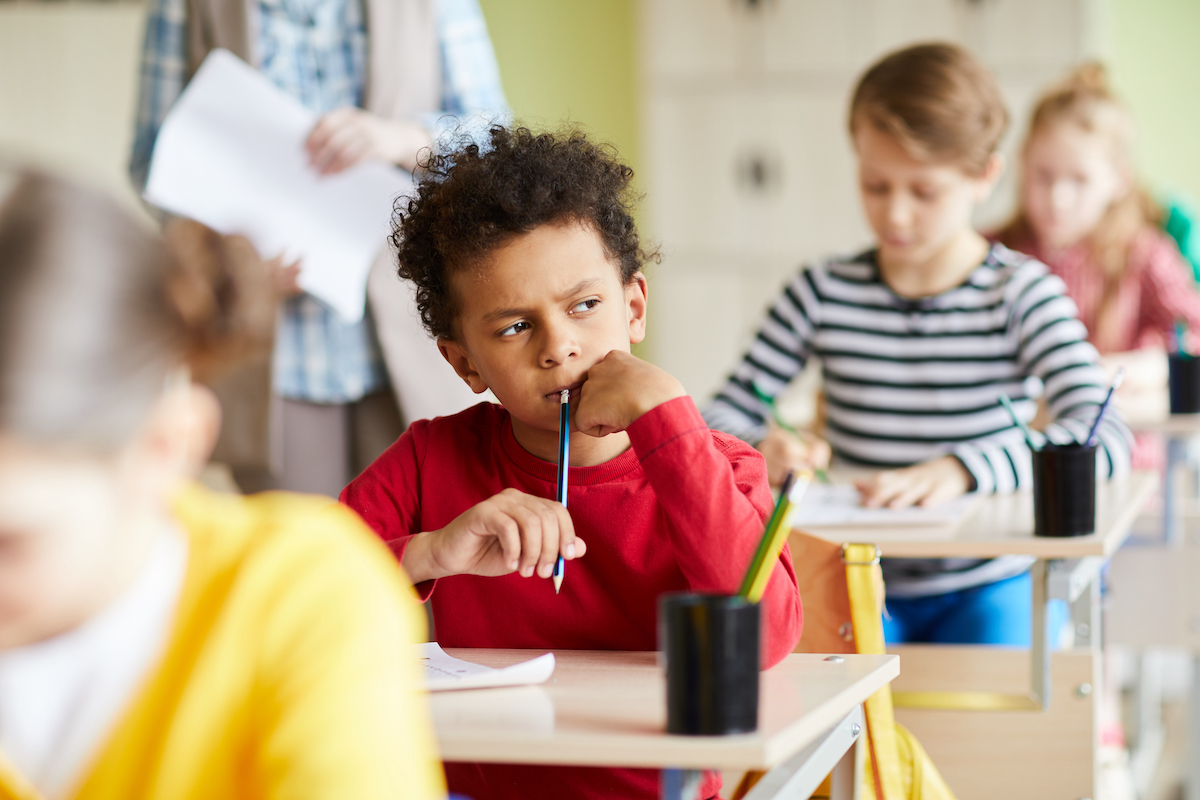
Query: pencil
x,y
1092,434
564,451
822,474
779,525
1020,423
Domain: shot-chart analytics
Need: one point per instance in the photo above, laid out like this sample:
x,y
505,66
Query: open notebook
x,y
829,505
442,672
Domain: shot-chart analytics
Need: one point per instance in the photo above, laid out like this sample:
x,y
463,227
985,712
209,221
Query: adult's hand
x,y
348,136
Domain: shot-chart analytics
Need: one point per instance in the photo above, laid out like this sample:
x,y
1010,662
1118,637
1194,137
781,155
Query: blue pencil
x,y
564,452
1091,437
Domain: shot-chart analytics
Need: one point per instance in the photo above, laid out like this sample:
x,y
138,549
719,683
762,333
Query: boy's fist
x,y
509,532
619,389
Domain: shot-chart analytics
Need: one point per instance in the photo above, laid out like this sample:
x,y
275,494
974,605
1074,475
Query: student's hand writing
x,y
509,532
619,389
925,484
787,452
344,137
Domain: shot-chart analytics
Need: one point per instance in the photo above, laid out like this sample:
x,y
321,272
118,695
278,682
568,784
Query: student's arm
x,y
1052,346
713,491
161,80
776,356
339,708
1168,293
715,503
509,532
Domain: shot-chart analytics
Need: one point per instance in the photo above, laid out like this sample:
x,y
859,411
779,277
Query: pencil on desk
x,y
779,525
564,450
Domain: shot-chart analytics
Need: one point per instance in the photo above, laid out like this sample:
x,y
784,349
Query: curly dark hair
x,y
472,199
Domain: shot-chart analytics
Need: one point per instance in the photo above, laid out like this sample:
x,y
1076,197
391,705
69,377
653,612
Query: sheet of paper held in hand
x,y
444,672
231,154
827,505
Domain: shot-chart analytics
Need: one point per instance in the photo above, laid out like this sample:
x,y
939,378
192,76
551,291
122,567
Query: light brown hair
x,y
96,311
937,101
1085,99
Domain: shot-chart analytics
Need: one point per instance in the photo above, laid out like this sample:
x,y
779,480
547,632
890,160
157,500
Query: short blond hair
x,y
937,100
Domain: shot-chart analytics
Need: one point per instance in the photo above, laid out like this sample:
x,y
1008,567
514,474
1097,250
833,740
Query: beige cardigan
x,y
404,80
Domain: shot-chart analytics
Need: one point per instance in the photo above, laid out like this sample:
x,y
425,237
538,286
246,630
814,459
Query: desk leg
x,y
1176,454
680,784
838,752
847,776
1192,779
1040,644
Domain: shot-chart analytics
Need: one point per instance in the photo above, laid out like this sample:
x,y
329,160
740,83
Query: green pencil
x,y
779,525
821,474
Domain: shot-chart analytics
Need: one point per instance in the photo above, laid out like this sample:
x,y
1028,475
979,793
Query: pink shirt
x,y
1156,290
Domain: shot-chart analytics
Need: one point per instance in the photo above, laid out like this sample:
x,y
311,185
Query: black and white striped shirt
x,y
908,380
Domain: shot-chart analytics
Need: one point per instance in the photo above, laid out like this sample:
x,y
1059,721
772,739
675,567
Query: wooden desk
x,y
1003,525
609,709
960,718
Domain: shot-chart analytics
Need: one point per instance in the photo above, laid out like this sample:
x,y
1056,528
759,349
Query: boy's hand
x,y
926,484
618,390
509,532
792,452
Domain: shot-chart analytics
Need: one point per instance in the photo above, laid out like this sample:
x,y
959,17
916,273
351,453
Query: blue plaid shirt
x,y
316,51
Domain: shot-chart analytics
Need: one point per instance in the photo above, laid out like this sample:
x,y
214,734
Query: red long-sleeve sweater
x,y
682,509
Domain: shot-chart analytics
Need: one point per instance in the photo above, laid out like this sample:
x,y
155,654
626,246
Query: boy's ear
x,y
635,305
458,358
990,176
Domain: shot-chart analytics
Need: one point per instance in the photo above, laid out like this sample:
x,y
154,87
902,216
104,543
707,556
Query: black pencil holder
x,y
1064,490
710,644
1183,383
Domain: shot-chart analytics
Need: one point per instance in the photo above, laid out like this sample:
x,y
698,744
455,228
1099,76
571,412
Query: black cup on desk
x,y
710,644
1064,490
1183,383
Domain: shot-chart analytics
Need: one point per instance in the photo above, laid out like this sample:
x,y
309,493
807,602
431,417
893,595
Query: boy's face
x,y
914,207
537,314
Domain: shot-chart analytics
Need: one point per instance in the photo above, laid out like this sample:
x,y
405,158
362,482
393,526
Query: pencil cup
x,y
1183,382
710,644
1064,490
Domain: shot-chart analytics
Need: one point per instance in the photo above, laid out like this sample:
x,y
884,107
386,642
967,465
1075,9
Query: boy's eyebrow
x,y
503,313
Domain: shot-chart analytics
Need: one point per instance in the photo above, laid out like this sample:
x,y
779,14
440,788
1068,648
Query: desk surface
x,y
1003,525
1150,413
604,708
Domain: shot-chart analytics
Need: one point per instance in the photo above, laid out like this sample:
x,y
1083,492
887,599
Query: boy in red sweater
x,y
528,273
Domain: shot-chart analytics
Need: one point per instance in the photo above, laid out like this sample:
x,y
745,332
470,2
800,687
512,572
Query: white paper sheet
x,y
444,672
839,505
231,154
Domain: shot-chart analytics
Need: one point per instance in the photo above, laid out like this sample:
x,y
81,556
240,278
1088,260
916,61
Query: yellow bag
x,y
843,602
898,767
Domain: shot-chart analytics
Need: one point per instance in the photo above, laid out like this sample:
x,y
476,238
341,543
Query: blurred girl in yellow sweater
x,y
159,641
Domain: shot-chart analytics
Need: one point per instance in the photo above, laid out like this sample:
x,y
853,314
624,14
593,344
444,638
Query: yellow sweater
x,y
288,673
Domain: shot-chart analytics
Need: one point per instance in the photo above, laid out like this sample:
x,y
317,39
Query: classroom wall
x,y
570,60
68,84
1156,67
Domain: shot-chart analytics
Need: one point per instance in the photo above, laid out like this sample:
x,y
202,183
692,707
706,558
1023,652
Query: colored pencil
x,y
1095,431
821,474
1020,423
779,525
564,452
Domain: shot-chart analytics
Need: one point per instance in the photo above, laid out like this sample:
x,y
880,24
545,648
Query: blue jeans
x,y
995,613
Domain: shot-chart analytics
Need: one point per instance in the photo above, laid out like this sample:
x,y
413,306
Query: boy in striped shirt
x,y
920,335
